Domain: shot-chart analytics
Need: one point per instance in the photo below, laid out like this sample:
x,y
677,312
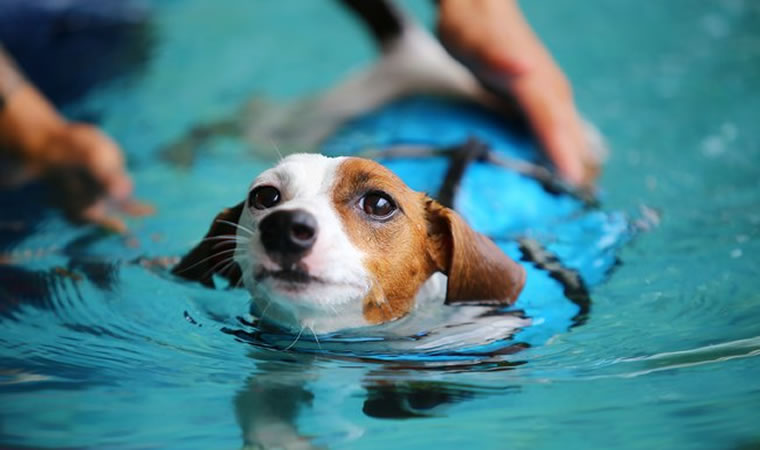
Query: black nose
x,y
288,236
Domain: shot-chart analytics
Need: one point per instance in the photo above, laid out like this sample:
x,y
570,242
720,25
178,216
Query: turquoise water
x,y
103,353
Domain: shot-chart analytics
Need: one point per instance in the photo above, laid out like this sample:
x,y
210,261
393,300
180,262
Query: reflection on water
x,y
101,348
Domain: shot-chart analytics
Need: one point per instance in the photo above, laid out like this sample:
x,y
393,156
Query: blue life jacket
x,y
566,245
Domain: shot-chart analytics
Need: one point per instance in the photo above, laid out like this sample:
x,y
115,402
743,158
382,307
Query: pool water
x,y
101,352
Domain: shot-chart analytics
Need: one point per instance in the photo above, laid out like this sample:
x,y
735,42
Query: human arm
x,y
494,35
38,139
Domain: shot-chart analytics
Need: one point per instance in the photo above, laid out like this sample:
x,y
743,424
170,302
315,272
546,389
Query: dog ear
x,y
478,271
208,257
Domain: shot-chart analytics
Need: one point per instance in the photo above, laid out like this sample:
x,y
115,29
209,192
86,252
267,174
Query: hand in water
x,y
494,34
84,166
94,185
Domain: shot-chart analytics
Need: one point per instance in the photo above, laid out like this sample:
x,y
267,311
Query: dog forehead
x,y
357,175
302,174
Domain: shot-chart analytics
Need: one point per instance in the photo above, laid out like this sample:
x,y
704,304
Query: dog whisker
x,y
242,258
227,261
225,237
236,225
276,148
227,267
237,243
261,316
197,263
313,333
297,338
229,241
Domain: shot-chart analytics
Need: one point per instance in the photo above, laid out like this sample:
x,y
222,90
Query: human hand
x,y
91,182
84,167
493,35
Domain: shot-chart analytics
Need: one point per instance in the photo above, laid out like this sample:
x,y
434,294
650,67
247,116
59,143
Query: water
x,y
99,352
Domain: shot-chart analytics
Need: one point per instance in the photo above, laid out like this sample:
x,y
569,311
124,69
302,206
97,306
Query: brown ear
x,y
478,271
210,255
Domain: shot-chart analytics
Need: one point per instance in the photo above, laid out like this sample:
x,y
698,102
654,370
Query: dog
x,y
336,243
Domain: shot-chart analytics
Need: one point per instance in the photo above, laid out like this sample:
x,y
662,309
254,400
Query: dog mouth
x,y
297,279
293,276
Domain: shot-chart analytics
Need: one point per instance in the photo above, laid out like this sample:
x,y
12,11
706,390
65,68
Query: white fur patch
x,y
335,301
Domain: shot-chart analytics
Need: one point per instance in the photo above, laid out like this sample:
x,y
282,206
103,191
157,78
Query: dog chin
x,y
313,294
322,307
300,289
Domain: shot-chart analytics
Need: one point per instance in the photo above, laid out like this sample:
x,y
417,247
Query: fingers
x,y
97,214
95,156
136,208
101,157
558,128
495,33
105,214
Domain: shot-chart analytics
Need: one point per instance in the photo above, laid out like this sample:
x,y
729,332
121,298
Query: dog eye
x,y
264,197
377,204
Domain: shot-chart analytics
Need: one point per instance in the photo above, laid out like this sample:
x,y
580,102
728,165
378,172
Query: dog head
x,y
334,243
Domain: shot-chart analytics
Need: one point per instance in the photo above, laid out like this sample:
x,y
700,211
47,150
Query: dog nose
x,y
288,234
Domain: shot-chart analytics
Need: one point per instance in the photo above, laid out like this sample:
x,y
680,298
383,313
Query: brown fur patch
x,y
397,249
422,238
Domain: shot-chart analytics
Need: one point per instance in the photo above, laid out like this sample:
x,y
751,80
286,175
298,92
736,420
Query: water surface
x,y
99,352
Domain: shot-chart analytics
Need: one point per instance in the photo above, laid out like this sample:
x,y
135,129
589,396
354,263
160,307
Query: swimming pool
x,y
117,356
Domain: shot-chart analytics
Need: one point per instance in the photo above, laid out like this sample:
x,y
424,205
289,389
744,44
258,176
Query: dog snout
x,y
288,235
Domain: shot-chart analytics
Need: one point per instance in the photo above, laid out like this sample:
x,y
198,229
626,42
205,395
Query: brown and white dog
x,y
336,243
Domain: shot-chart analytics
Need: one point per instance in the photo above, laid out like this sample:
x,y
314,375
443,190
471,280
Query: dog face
x,y
298,262
334,243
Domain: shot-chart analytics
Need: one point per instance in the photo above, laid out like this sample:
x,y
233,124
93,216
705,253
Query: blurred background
x,y
668,359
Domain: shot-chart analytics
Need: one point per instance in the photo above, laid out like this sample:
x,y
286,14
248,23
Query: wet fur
x,y
399,254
